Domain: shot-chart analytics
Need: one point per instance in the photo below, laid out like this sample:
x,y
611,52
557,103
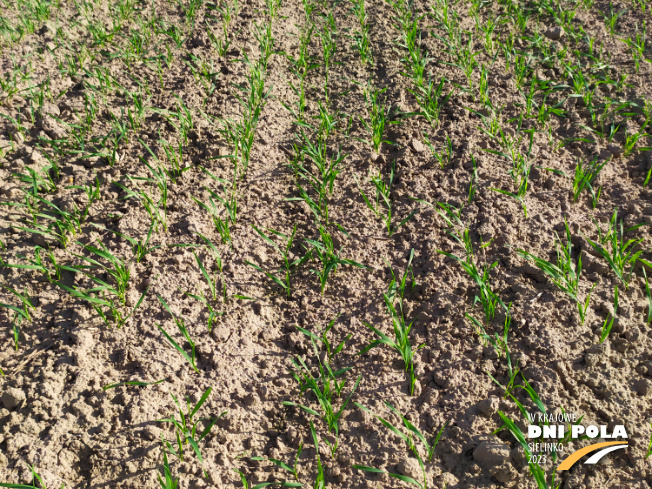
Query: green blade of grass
x,y
131,382
305,408
179,349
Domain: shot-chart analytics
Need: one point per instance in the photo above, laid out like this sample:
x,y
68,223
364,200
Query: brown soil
x,y
56,416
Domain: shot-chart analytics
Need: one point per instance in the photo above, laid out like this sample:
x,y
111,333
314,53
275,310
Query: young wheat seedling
x,y
288,264
401,342
186,427
487,297
25,301
52,271
300,66
361,36
328,38
446,155
190,357
35,478
649,447
169,482
324,250
212,281
565,274
648,295
320,479
585,175
20,314
229,202
325,387
622,258
293,468
118,269
535,469
378,114
451,214
499,343
322,339
410,438
382,204
609,321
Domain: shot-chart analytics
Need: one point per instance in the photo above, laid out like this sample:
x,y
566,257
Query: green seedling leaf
x,y
131,382
305,408
179,349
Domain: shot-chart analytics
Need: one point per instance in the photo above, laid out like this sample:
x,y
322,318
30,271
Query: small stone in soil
x,y
418,146
12,397
410,467
491,454
554,34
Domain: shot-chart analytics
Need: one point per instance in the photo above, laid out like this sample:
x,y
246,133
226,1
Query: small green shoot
x,y
131,382
622,256
186,427
401,342
288,264
35,478
585,175
535,469
170,482
25,301
487,298
320,479
325,388
648,295
565,274
446,155
190,357
499,343
609,321
330,258
321,338
382,205
378,115
410,438
293,469
117,269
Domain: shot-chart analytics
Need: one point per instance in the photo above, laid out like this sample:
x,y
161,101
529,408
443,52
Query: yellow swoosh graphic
x,y
575,456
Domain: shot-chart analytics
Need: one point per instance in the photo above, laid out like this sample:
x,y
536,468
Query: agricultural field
x,y
352,244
